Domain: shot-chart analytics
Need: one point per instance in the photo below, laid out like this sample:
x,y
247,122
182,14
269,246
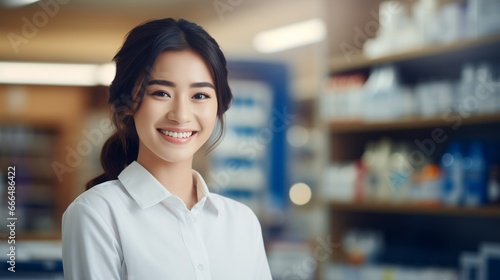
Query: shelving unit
x,y
346,127
348,139
417,209
466,49
31,152
38,124
415,235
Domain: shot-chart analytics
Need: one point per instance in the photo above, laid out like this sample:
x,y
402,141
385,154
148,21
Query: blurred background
x,y
364,134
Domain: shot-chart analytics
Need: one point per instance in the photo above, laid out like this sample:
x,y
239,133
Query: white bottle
x,y
485,89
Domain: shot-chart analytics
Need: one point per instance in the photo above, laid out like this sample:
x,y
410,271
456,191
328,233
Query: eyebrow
x,y
172,84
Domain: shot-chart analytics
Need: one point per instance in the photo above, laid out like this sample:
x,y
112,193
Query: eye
x,y
201,96
160,93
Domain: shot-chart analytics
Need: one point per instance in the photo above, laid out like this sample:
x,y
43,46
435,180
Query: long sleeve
x,y
90,250
262,268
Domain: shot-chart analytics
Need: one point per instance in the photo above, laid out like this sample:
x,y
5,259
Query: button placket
x,y
203,265
194,243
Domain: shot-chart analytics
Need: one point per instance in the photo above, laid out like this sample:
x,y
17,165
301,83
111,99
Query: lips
x,y
176,134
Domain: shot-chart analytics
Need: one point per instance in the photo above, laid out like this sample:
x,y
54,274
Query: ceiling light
x,y
106,73
290,36
23,73
16,3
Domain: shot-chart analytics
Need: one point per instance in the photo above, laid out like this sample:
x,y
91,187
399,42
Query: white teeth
x,y
176,134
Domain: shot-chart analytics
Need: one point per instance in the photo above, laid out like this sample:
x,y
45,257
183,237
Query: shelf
x,y
43,235
406,208
338,127
475,48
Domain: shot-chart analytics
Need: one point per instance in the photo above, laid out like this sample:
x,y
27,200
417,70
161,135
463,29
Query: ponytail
x,y
118,151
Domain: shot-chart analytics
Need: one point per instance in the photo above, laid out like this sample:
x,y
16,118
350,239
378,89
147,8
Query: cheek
x,y
139,118
208,109
211,114
207,117
144,116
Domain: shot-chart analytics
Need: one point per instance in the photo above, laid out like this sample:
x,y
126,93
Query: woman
x,y
150,216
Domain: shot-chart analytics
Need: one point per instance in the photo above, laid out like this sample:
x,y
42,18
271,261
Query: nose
x,y
180,111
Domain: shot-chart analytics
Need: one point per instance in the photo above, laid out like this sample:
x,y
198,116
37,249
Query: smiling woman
x,y
180,106
149,215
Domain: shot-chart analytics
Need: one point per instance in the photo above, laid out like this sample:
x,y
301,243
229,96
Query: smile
x,y
174,134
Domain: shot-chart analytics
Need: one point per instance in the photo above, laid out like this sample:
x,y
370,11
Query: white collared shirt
x,y
133,228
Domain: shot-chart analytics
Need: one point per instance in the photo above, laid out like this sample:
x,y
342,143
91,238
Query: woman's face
x,y
179,109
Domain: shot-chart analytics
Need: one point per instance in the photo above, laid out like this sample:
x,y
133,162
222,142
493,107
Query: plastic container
x,y
494,184
382,98
453,175
476,176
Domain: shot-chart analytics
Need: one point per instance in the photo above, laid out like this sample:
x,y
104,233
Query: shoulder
x,y
233,209
92,217
101,198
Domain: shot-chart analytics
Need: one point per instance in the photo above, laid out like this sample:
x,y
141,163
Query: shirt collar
x,y
147,191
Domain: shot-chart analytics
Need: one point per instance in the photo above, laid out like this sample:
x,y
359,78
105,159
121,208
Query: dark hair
x,y
134,62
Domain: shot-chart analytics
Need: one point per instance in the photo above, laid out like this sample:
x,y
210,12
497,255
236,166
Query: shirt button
x,y
194,219
201,267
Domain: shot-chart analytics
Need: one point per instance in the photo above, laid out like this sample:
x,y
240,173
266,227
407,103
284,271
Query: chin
x,y
176,157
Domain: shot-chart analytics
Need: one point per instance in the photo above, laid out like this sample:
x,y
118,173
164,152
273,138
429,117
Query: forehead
x,y
185,63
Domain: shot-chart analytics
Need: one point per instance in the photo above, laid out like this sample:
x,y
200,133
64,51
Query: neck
x,y
177,178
